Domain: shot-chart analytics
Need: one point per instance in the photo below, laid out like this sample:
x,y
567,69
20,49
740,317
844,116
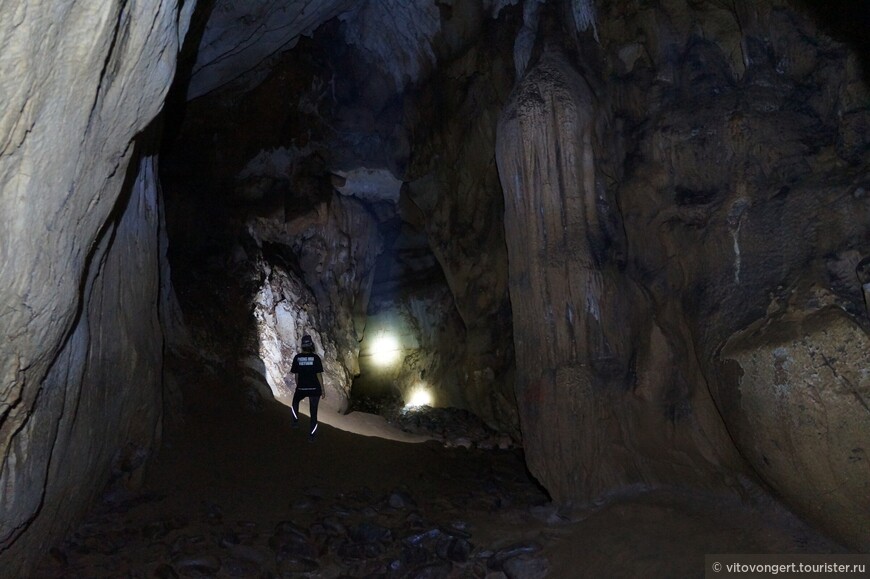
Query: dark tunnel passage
x,y
290,181
588,280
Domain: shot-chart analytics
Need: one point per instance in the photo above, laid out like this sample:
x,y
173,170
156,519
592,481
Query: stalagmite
x,y
577,316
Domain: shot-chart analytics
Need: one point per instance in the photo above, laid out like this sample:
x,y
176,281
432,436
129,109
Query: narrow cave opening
x,y
296,193
407,281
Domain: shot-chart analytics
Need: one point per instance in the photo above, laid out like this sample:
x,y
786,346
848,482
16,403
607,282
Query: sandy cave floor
x,y
241,494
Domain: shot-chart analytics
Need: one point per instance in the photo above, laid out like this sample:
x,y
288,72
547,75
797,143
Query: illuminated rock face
x,y
80,256
685,240
414,342
334,248
348,120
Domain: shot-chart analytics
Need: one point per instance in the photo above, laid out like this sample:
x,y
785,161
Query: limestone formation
x,y
454,196
707,205
238,36
394,35
345,132
743,163
637,232
798,391
589,427
429,346
80,358
317,277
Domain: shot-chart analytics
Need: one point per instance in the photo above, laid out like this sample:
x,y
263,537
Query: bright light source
x,y
385,350
420,396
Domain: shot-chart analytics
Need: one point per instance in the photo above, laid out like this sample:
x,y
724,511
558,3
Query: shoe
x,y
312,437
294,424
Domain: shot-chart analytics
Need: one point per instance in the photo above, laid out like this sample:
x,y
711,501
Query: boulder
x,y
797,402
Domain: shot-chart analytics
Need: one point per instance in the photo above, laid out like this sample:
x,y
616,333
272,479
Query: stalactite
x,y
585,16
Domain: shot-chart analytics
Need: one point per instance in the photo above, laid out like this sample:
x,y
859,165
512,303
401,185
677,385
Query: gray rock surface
x,y
79,256
334,249
395,35
240,35
569,290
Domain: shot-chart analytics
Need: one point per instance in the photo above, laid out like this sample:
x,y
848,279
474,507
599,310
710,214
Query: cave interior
x,y
590,280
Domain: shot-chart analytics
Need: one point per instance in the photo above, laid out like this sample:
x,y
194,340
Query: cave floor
x,y
240,494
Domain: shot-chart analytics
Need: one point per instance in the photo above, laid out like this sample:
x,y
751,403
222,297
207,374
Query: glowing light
x,y
385,350
420,396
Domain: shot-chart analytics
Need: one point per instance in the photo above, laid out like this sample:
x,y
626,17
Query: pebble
x,y
164,571
499,558
367,532
252,554
292,565
195,565
458,550
400,500
333,526
526,567
355,533
420,538
240,568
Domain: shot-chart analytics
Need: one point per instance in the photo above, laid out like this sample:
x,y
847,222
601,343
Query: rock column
x,y
571,309
609,398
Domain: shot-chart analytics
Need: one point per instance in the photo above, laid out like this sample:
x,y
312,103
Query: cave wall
x,y
685,211
658,161
317,279
430,347
237,37
80,270
454,195
329,115
755,161
587,429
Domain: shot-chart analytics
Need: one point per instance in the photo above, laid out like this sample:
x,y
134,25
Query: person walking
x,y
307,368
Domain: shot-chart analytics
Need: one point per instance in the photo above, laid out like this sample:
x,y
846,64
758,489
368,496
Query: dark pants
x,y
313,401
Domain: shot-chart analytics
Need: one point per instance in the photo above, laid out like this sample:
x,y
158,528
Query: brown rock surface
x,y
796,399
719,170
454,195
685,239
599,410
738,198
